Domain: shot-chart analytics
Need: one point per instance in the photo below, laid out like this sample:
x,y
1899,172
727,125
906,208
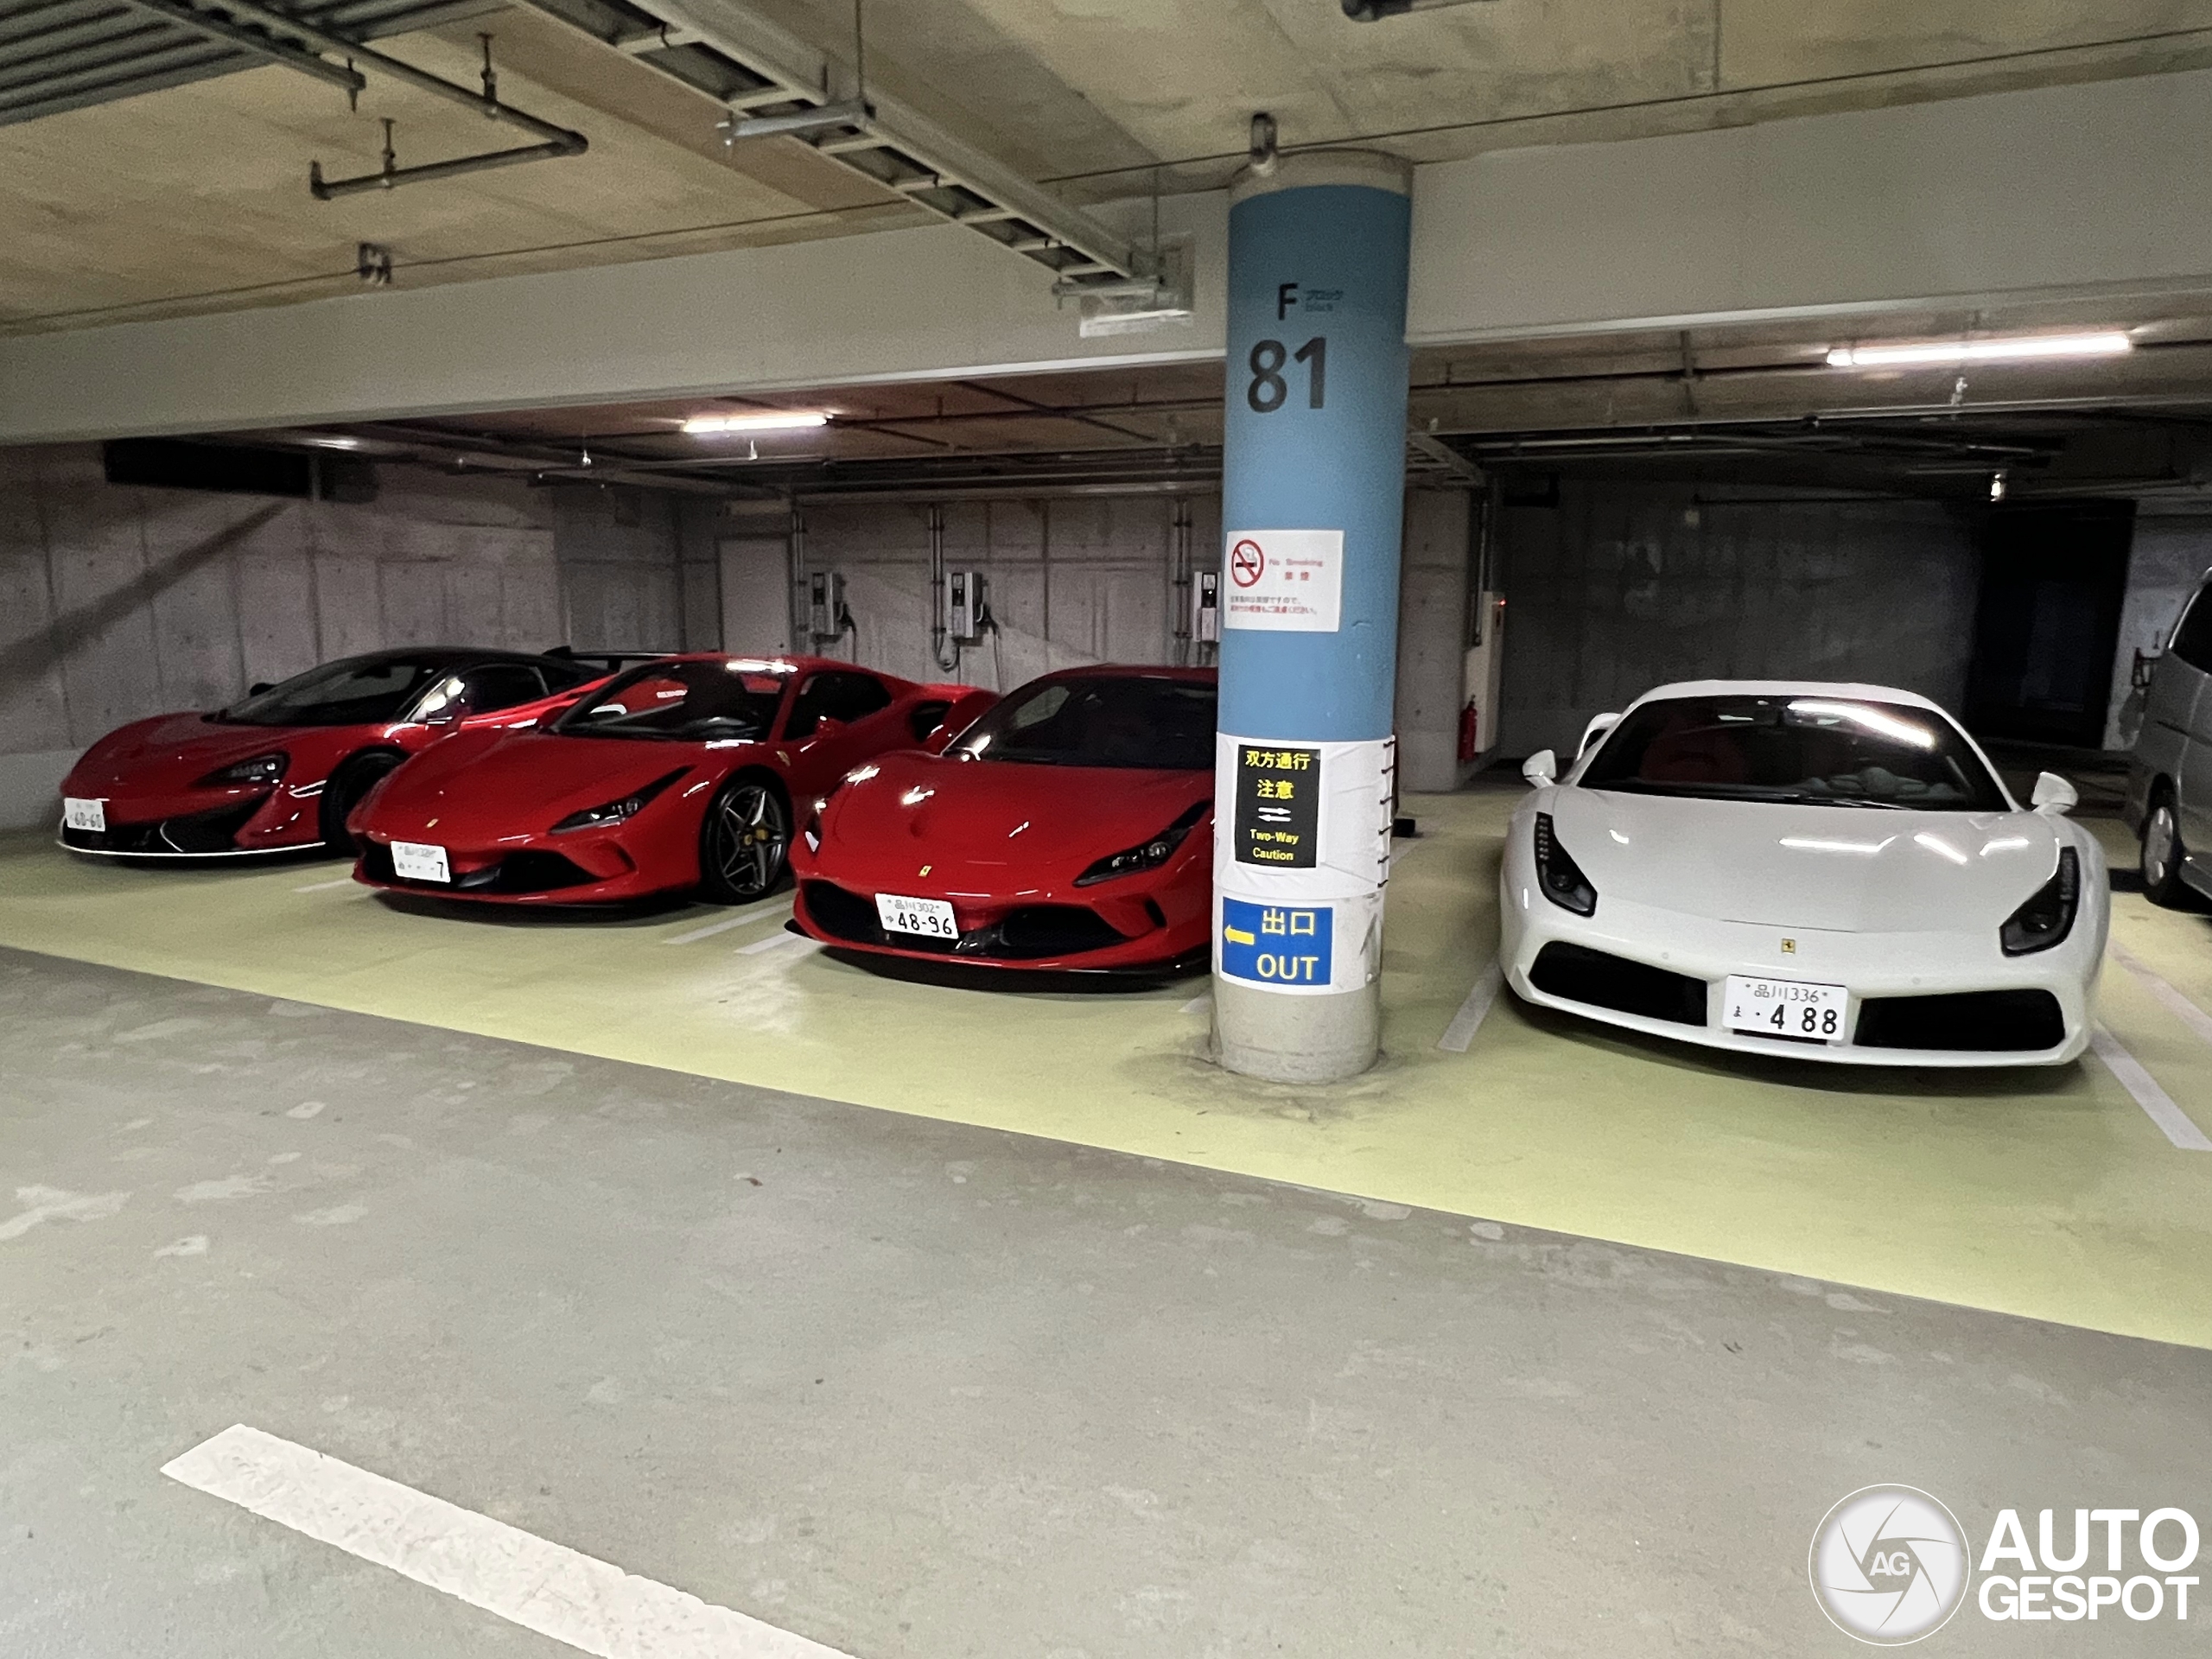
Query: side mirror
x,y
828,726
260,686
2146,664
940,734
1598,726
1540,769
2053,797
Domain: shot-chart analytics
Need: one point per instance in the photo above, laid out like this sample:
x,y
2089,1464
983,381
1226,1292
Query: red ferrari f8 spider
x,y
1069,828
286,766
681,774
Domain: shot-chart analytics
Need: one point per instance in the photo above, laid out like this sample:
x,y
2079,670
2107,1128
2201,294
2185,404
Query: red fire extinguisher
x,y
1468,722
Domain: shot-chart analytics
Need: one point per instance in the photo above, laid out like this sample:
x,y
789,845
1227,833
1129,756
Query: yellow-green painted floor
x,y
2049,1194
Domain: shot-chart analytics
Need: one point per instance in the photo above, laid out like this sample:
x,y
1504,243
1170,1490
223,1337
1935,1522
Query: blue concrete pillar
x,y
1312,498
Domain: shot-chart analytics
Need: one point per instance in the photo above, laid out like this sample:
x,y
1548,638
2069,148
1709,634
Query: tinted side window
x,y
841,697
502,685
2193,639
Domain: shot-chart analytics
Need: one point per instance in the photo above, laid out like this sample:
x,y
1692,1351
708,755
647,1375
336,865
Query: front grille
x,y
1038,931
1029,934
848,916
193,832
1579,974
525,872
1987,1022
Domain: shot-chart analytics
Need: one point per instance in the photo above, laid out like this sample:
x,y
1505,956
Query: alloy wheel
x,y
2158,845
751,835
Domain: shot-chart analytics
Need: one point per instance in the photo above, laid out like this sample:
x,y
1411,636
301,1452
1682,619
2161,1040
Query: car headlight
x,y
1146,854
2047,917
261,769
618,811
1558,876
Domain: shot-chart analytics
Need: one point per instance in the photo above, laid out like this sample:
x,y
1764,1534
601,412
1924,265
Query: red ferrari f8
x,y
1071,828
682,774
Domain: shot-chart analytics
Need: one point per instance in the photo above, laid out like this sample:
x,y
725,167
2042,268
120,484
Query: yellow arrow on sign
x,y
1238,936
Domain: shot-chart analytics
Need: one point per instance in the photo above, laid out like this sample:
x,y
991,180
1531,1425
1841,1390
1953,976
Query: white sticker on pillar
x,y
1287,581
1301,860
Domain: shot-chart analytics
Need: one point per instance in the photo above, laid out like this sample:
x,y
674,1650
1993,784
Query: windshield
x,y
358,692
686,702
1829,751
1144,721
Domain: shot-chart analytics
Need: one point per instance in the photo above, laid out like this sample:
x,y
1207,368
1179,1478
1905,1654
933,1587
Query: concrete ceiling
x,y
194,198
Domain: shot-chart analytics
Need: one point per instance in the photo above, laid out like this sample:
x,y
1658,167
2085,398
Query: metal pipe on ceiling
x,y
554,140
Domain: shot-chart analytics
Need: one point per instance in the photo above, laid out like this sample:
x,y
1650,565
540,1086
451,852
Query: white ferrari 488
x,y
1827,872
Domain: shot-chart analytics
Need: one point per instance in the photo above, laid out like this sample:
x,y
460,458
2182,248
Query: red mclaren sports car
x,y
678,775
1069,828
286,766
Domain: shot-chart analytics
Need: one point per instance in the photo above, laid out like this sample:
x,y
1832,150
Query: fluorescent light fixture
x,y
1822,844
2020,348
764,420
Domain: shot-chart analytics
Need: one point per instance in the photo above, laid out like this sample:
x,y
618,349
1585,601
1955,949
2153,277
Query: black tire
x,y
2162,854
347,787
745,843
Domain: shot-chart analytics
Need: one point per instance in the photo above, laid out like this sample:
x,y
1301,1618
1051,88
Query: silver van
x,y
2170,768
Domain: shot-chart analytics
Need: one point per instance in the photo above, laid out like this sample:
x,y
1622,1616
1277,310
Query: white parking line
x,y
1469,1020
777,941
2158,1105
589,1603
750,913
2179,1006
346,880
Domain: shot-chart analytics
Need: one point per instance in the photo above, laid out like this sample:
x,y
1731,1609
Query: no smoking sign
x,y
1287,581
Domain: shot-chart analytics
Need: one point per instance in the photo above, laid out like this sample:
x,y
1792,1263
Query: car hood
x,y
1849,869
995,815
172,751
513,783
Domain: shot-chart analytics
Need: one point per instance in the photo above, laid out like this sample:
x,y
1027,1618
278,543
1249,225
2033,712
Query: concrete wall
x,y
1433,636
637,569
1622,587
1072,582
120,602
2172,550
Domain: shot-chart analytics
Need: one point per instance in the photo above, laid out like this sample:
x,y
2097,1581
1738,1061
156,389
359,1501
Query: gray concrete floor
x,y
914,1389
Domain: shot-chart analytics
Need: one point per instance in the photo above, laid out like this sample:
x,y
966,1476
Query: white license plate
x,y
411,861
1785,1007
931,918
84,815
